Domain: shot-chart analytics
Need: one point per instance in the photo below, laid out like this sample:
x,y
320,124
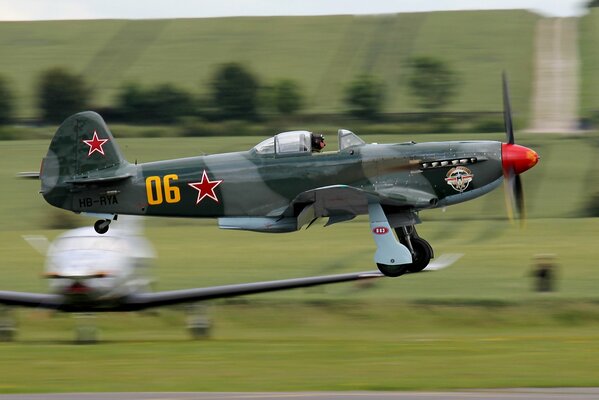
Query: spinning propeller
x,y
515,160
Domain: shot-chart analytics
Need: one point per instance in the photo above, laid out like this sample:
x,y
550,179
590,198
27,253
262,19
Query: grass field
x,y
321,53
476,324
589,82
347,346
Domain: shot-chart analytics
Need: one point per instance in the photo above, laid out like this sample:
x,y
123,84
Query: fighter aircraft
x,y
286,182
90,273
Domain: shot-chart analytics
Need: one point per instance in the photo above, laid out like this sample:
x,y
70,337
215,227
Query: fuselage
x,y
285,182
88,268
410,175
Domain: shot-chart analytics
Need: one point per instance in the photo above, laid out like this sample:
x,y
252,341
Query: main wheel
x,y
422,255
393,270
101,226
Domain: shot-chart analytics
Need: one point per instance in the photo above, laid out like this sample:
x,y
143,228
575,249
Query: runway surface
x,y
491,394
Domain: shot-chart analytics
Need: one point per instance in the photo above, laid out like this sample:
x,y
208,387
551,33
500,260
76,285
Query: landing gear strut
x,y
198,322
421,250
85,329
7,325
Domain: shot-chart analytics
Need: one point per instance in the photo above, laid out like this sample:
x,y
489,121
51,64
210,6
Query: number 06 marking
x,y
158,190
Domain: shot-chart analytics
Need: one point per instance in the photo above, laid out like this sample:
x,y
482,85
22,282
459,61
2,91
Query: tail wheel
x,y
101,226
422,255
393,270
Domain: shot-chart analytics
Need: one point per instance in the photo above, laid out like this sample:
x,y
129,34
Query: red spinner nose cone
x,y
517,158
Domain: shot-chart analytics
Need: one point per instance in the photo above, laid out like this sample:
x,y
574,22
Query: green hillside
x,y
321,53
589,82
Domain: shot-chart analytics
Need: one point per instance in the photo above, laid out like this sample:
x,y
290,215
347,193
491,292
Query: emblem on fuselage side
x,y
206,188
459,178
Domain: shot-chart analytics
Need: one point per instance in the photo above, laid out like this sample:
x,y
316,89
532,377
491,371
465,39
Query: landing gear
x,y
396,257
421,250
422,255
391,256
85,329
392,270
101,226
198,322
8,328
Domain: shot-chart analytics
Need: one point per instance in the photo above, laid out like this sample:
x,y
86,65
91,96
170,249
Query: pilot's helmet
x,y
318,142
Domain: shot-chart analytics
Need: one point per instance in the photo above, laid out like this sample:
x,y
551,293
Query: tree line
x,y
235,94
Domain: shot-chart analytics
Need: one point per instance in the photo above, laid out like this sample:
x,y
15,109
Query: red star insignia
x,y
95,144
205,188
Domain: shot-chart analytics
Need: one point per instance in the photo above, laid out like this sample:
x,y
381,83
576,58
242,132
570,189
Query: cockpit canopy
x,y
286,142
299,142
348,139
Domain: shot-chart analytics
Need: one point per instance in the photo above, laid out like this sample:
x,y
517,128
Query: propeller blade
x,y
514,197
508,191
519,199
516,160
507,111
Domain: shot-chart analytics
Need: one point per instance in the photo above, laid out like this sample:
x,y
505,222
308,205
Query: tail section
x,y
83,149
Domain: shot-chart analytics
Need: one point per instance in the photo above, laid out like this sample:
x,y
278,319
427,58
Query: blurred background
x,y
191,86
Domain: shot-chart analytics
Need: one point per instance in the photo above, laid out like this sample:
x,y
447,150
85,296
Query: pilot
x,y
317,143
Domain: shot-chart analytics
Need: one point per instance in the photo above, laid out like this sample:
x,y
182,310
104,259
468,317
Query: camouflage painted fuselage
x,y
406,176
266,185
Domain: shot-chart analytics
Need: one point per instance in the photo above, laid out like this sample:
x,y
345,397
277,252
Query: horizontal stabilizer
x,y
28,175
38,242
99,179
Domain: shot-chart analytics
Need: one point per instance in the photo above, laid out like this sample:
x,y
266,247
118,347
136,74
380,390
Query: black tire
x,y
422,257
393,270
101,226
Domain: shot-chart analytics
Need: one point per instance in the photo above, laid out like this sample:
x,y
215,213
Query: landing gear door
x,y
388,249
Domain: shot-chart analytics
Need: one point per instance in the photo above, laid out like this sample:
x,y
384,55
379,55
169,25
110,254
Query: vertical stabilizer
x,y
82,147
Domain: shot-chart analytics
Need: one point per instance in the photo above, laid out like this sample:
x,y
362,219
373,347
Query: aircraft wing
x,y
342,202
141,301
35,300
147,300
331,201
